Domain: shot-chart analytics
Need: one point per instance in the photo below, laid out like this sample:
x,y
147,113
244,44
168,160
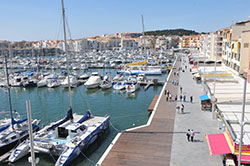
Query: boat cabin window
x,y
22,133
62,132
14,137
5,141
73,131
82,128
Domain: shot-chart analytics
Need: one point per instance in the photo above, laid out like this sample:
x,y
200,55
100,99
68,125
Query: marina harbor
x,y
108,83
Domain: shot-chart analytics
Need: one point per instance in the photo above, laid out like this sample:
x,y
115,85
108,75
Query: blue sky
x,y
41,19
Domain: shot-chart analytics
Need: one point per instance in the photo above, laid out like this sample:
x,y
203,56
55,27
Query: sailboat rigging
x,y
67,137
16,130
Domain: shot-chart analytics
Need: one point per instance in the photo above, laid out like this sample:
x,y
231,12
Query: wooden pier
x,y
149,145
152,105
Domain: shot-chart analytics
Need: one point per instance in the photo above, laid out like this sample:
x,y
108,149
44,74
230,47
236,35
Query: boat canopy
x,y
30,74
4,128
85,117
68,117
137,63
13,121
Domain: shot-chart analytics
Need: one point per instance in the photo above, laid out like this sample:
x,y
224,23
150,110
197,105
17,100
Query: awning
x,y
204,97
244,159
217,144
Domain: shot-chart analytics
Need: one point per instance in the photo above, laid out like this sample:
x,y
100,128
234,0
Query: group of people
x,y
175,82
176,73
178,108
168,95
190,135
184,97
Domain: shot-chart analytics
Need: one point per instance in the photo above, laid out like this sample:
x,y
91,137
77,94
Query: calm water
x,y
50,105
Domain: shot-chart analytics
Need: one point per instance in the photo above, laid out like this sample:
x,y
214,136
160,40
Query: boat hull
x,y
92,86
4,149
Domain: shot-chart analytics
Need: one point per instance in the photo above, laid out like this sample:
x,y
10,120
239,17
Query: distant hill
x,y
171,32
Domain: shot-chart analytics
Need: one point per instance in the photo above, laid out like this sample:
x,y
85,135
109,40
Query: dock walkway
x,y
163,142
150,145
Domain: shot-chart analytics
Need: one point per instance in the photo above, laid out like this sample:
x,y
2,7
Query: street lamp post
x,y
213,110
242,121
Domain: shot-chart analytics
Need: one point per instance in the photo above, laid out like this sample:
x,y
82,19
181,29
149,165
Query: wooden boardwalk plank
x,y
150,145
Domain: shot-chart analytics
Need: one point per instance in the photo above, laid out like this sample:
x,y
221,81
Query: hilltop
x,y
172,32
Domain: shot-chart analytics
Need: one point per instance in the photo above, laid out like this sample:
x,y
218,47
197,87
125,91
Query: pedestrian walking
x,y
180,89
191,99
188,135
176,98
168,92
166,97
180,97
177,73
192,135
184,98
174,73
165,92
182,108
170,97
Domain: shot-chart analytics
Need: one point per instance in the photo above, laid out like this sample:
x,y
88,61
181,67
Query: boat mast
x,y
143,33
66,52
8,87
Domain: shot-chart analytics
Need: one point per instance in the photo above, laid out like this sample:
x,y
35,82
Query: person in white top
x,y
192,135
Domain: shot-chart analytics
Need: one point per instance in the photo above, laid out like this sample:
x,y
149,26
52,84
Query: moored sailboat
x,y
67,137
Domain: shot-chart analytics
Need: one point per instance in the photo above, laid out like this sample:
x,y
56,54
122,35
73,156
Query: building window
x,y
238,68
246,45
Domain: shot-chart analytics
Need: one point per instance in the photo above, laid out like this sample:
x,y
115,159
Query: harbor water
x,y
50,105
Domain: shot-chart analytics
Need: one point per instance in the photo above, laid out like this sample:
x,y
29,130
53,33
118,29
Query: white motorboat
x,y
119,86
16,82
94,81
53,83
132,84
106,83
131,87
43,82
73,82
84,76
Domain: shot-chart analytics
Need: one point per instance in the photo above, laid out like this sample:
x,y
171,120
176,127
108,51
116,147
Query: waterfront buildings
x,y
229,45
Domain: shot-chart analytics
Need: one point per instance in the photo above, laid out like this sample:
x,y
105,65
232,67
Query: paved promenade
x,y
163,142
149,145
193,153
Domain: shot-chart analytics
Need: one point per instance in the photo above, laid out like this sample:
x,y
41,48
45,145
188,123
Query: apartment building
x,y
234,58
190,41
